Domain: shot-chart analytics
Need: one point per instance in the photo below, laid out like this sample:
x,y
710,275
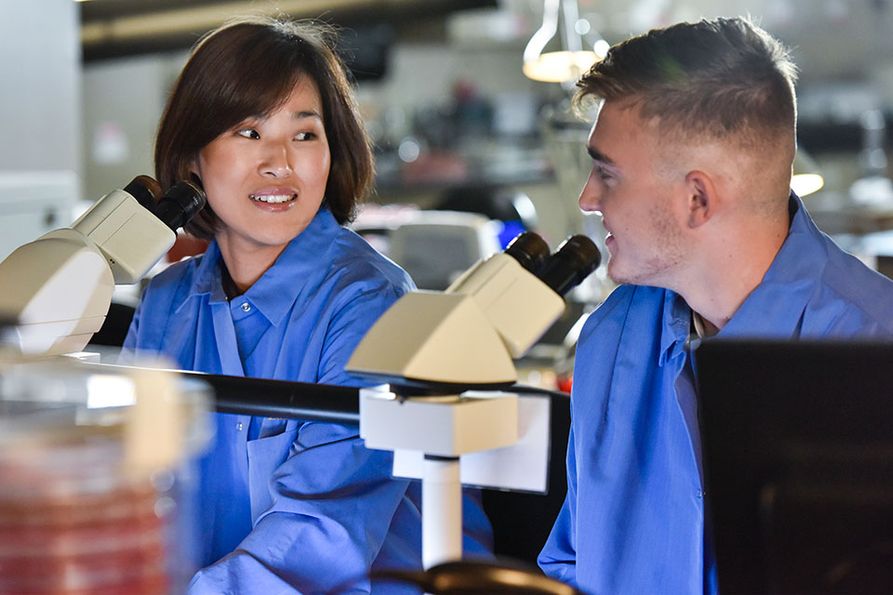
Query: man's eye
x,y
602,173
248,133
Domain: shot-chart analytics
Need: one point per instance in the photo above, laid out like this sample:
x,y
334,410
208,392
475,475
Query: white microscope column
x,y
441,511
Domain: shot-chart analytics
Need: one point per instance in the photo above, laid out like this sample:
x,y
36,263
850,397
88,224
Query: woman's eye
x,y
305,136
248,133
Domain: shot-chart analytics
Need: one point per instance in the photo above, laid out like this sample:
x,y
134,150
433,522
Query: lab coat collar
x,y
775,308
278,288
676,328
298,265
206,280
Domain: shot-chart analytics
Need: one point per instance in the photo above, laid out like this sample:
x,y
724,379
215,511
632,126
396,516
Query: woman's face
x,y
266,177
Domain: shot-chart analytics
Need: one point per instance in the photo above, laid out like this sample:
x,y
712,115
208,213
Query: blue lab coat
x,y
289,505
633,520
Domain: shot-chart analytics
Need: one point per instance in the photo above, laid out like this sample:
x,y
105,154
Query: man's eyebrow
x,y
598,156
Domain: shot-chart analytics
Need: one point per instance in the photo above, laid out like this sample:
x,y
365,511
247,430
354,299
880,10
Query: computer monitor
x,y
797,441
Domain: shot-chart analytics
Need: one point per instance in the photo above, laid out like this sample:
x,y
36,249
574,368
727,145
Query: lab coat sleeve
x,y
152,316
333,500
348,327
134,349
129,347
559,556
333,503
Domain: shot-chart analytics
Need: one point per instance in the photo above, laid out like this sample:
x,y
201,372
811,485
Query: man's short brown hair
x,y
248,68
713,78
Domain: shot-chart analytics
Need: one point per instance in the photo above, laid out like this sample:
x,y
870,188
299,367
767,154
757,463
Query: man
x,y
692,152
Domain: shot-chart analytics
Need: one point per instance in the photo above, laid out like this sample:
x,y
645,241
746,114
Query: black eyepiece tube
x,y
145,190
529,250
572,262
179,204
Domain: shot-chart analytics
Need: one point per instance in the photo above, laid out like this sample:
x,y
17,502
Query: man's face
x,y
643,211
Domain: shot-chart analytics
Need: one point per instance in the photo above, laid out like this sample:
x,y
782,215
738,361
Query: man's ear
x,y
701,197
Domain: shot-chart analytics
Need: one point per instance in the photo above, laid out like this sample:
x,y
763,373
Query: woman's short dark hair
x,y
713,78
248,68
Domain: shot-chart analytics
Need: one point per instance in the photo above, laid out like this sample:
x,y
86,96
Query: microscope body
x,y
433,348
59,287
466,336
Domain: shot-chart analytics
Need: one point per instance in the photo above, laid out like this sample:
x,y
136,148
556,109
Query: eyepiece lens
x,y
145,190
179,204
530,250
574,260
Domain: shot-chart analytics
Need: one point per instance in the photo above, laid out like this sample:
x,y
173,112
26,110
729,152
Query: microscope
x,y
447,357
59,287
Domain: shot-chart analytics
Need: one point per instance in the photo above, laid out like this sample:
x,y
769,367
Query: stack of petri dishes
x,y
74,517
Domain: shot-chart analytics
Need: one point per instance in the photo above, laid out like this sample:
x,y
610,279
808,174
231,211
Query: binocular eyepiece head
x,y
175,207
574,260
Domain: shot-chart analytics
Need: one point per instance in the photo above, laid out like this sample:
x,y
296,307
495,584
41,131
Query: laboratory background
x,y
474,137
457,125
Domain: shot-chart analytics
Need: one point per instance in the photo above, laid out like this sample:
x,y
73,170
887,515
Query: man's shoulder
x,y
630,313
861,292
625,299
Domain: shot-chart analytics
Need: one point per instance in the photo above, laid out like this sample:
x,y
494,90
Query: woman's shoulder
x,y
358,262
175,275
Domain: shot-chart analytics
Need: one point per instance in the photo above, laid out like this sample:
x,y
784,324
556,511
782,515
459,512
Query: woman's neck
x,y
244,265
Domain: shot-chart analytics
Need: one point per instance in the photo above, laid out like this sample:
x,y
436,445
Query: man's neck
x,y
729,273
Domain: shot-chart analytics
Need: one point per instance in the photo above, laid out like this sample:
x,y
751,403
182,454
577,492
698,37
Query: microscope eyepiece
x,y
145,190
574,260
530,250
175,207
179,204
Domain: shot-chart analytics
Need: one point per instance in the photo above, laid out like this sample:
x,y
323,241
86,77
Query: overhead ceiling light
x,y
807,177
573,56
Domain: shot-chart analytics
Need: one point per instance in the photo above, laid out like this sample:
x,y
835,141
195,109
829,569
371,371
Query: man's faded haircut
x,y
713,79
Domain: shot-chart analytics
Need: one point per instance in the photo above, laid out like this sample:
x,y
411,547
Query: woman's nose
x,y
275,162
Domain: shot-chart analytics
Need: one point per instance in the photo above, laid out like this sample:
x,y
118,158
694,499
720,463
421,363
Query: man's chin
x,y
621,277
616,274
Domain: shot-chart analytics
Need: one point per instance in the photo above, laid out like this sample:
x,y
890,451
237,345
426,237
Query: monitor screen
x,y
798,462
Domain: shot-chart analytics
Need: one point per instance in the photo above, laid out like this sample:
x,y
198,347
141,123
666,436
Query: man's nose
x,y
590,196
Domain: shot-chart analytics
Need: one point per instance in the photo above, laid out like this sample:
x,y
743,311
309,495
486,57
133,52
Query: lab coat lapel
x,y
225,343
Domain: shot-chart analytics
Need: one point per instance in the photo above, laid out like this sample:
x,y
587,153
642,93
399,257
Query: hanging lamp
x,y
573,57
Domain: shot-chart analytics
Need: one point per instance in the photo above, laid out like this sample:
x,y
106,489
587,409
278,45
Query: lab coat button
x,y
246,307
239,427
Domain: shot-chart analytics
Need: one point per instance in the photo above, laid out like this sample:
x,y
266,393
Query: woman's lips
x,y
278,198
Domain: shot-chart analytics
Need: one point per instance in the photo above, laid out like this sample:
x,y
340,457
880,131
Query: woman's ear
x,y
701,196
195,173
196,179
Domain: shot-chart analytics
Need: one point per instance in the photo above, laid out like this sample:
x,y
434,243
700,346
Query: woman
x,y
264,117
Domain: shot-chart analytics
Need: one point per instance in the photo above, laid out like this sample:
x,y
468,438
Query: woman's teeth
x,y
272,198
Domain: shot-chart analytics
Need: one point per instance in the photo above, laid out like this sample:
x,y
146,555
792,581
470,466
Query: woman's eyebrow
x,y
300,115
